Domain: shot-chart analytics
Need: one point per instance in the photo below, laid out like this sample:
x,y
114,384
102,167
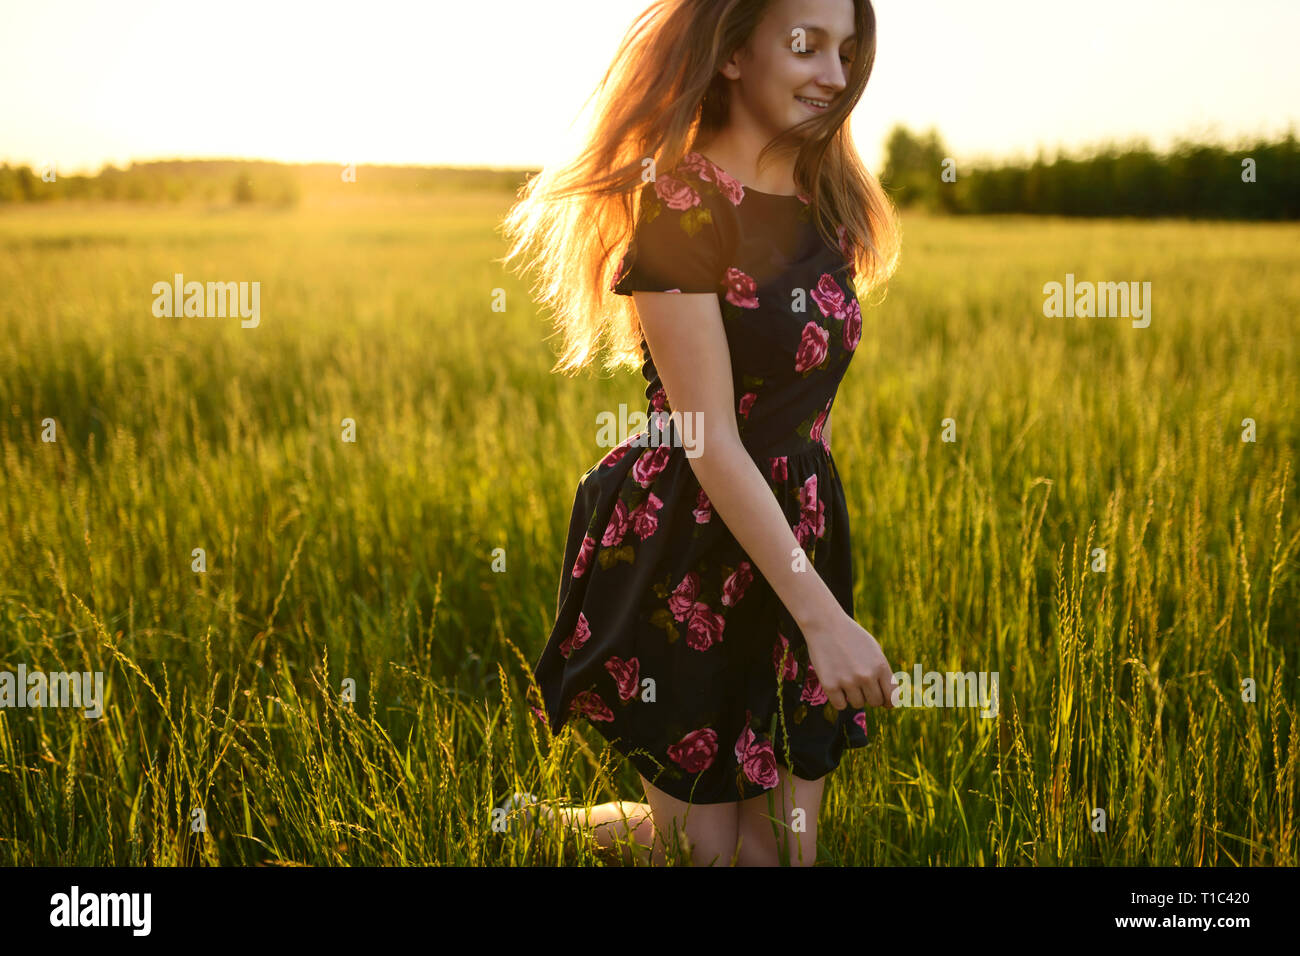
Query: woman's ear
x,y
731,69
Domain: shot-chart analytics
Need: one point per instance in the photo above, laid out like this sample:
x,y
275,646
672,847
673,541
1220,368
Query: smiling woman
x,y
704,621
798,63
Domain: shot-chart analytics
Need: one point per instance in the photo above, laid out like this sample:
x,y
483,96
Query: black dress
x,y
667,638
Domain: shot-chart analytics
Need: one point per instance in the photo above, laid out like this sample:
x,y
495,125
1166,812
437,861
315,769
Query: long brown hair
x,y
663,93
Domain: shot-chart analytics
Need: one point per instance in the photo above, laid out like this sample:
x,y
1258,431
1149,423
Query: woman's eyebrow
x,y
815,30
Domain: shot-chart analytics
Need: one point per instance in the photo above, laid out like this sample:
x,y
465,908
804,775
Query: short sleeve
x,y
677,245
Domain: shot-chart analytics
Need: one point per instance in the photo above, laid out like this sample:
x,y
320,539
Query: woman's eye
x,y
846,59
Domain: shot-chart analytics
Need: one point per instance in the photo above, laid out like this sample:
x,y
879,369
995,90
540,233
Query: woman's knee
x,y
760,843
782,821
705,833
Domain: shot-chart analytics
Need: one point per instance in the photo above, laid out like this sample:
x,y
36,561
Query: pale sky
x,y
429,82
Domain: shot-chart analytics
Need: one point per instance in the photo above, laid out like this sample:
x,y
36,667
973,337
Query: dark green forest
x,y
1260,180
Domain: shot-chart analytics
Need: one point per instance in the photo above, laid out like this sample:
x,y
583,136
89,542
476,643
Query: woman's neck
x,y
739,159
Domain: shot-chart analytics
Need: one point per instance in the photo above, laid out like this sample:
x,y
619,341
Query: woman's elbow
x,y
705,446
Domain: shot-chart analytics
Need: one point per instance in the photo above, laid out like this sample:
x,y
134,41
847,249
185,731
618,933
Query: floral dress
x,y
667,638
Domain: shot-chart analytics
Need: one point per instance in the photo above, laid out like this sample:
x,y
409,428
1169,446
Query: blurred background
x,y
1119,108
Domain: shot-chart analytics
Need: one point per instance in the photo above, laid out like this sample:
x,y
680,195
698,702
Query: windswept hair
x,y
661,94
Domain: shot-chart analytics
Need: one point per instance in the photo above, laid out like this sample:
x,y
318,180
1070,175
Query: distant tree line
x,y
1254,181
1259,181
241,181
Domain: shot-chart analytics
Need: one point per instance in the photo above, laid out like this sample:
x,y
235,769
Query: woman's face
x,y
800,51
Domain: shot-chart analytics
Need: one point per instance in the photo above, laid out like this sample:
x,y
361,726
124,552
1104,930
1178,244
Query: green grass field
x,y
1120,690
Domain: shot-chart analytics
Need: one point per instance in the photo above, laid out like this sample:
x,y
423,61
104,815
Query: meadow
x,y
1161,690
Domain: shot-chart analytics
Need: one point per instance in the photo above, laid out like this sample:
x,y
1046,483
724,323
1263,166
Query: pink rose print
x,y
694,162
539,714
675,193
590,705
745,740
860,718
649,465
742,290
812,347
705,628
733,589
757,760
760,765
729,187
815,433
703,508
812,519
615,454
780,470
852,325
659,400
781,652
645,516
746,403
703,624
584,555
684,594
581,632
812,511
708,171
829,297
802,533
812,689
618,525
696,751
626,675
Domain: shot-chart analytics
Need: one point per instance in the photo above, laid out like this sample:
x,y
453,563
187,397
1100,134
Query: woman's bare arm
x,y
689,348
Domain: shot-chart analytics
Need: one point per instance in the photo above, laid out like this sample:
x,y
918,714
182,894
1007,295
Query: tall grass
x,y
1120,690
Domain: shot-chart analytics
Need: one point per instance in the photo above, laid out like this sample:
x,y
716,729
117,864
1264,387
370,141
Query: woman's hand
x,y
849,664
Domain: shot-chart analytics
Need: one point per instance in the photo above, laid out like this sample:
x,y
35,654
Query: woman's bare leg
x,y
759,841
621,828
709,829
628,830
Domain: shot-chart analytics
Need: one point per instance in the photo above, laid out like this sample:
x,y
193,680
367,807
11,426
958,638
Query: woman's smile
x,y
812,104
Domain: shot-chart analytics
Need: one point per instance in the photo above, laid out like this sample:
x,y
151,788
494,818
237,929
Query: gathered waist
x,y
792,446
762,448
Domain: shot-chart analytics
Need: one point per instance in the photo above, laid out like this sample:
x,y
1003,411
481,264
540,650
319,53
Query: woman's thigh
x,y
710,829
795,805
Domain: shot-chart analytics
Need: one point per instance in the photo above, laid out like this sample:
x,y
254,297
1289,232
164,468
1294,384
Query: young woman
x,y
705,616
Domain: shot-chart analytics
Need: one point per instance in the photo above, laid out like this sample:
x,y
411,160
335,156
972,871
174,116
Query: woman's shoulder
x,y
696,183
686,231
699,196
